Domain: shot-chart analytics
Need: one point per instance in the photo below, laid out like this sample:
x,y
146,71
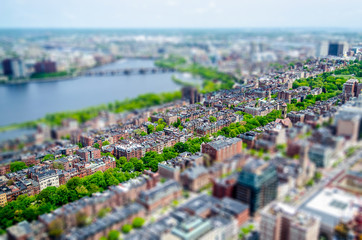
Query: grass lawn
x,y
348,77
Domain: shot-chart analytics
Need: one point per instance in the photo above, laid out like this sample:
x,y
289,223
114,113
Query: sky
x,y
180,13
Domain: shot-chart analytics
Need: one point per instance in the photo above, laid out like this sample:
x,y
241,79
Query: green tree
x,y
159,128
180,147
127,167
109,178
318,176
47,195
149,156
154,165
310,183
177,123
73,183
61,195
133,160
96,145
169,153
105,143
138,222
113,235
17,166
150,129
82,191
120,162
126,228
93,188
212,119
138,166
97,179
48,157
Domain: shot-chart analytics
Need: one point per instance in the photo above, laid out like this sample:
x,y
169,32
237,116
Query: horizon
x,y
185,28
111,14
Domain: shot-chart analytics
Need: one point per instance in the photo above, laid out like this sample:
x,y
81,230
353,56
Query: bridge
x,y
126,71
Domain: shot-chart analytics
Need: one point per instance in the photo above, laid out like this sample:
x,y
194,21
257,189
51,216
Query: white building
x,y
48,179
332,206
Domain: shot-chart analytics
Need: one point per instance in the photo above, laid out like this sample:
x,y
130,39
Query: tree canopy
x,y
17,166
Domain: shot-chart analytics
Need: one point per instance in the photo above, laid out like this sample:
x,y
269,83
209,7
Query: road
x,y
330,177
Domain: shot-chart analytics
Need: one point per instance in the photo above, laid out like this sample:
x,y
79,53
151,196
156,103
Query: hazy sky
x,y
180,13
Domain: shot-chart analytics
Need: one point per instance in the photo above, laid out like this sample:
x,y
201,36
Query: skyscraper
x,y
45,67
14,68
257,184
337,48
191,94
322,50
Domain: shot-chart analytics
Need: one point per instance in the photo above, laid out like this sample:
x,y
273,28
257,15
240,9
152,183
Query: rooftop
x,y
332,205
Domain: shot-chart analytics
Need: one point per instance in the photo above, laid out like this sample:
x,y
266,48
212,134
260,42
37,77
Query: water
x,y
31,101
16,133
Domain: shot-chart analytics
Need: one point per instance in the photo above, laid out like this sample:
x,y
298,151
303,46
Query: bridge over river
x,y
126,71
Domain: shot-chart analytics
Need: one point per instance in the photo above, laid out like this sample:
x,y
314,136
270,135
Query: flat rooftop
x,y
332,205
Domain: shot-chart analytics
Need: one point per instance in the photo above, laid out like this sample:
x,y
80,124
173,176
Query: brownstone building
x,y
160,196
130,150
224,187
88,153
195,178
222,149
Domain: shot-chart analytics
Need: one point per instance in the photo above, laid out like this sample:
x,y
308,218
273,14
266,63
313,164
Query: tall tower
x,y
284,110
269,95
257,185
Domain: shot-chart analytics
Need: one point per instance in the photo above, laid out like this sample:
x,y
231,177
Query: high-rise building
x,y
191,94
14,68
282,222
351,88
257,184
346,117
45,67
322,50
337,48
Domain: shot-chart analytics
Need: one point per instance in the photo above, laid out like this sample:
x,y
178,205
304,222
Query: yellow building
x,y
3,200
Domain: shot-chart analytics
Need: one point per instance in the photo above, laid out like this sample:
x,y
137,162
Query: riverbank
x,y
28,104
24,125
33,100
83,115
51,77
38,80
184,83
213,80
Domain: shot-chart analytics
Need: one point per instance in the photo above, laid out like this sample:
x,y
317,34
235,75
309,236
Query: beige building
x,y
348,127
282,222
3,200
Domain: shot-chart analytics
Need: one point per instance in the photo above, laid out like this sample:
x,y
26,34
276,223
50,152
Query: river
x,y
33,100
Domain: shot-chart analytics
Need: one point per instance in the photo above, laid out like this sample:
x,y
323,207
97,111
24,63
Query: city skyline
x,y
180,14
182,120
